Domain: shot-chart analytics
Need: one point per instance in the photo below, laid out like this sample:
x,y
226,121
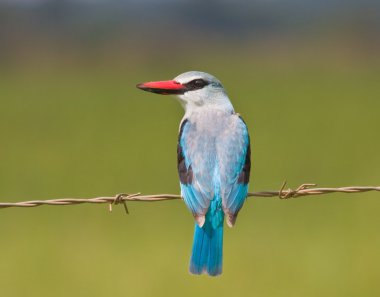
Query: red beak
x,y
167,87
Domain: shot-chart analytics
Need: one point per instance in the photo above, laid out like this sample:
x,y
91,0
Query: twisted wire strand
x,y
302,190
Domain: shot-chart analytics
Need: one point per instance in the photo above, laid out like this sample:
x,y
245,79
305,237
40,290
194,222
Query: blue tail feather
x,y
207,253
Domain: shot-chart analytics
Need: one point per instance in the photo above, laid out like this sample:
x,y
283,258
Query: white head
x,y
194,89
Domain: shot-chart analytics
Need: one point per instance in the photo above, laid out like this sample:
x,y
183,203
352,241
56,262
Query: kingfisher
x,y
214,162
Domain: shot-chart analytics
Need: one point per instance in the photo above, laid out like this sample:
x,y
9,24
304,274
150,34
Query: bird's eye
x,y
196,84
199,83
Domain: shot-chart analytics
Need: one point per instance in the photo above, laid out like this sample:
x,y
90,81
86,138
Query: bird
x,y
213,161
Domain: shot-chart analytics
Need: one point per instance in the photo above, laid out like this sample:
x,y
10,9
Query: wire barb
x,y
289,193
119,199
306,189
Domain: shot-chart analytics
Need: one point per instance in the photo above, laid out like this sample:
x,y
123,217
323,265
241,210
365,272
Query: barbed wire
x,y
302,190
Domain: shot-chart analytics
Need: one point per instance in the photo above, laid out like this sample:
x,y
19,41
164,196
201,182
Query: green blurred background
x,y
303,74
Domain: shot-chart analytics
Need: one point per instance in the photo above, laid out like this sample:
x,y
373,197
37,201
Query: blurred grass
x,y
84,130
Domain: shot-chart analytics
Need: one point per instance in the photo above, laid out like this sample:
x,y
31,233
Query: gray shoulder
x,y
239,118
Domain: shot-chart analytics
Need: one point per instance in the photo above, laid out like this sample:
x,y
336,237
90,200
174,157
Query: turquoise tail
x,y
207,253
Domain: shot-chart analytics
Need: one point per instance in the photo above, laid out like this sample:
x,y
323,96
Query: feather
x,y
213,165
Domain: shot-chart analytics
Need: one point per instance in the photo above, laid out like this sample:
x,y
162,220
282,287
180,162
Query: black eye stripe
x,y
196,84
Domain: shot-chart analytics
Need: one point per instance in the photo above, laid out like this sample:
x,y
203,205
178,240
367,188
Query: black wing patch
x,y
244,174
185,174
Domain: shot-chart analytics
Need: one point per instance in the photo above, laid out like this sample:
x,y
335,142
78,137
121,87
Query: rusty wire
x,y
303,190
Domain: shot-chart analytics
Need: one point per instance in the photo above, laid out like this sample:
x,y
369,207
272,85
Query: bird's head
x,y
194,89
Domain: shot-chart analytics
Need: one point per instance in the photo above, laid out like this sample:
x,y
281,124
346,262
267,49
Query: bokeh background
x,y
305,75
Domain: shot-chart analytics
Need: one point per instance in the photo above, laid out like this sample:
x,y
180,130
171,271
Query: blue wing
x,y
211,166
196,181
235,160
